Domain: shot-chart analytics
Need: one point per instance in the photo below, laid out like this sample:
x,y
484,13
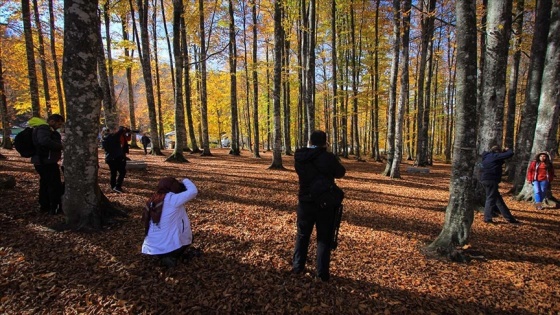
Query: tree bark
x,y
59,92
42,59
233,83
459,214
6,127
256,85
203,96
29,50
278,40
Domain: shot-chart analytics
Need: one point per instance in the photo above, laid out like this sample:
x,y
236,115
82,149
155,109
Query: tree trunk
x,y
247,90
278,40
233,83
203,96
109,108
286,93
29,49
188,94
6,126
147,73
180,133
549,105
393,88
459,214
529,112
84,205
334,135
56,69
422,119
128,70
403,100
255,85
42,59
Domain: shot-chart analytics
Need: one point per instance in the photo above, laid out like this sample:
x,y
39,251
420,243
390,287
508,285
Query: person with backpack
x,y
115,157
314,164
48,152
167,228
540,174
490,177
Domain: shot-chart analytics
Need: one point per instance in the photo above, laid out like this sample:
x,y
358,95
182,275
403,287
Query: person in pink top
x,y
540,174
166,224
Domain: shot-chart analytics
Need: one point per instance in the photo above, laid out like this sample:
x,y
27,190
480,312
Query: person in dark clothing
x,y
115,156
145,140
312,163
491,176
48,151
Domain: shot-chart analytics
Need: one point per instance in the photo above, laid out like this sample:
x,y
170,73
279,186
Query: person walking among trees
x,y
166,225
145,142
540,174
48,151
115,156
491,176
311,164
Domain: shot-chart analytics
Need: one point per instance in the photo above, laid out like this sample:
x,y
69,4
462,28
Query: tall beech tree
x,y
203,87
29,50
54,57
84,205
42,58
233,82
277,78
529,112
459,214
549,104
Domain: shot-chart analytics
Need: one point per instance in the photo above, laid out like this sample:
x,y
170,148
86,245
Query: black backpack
x,y
24,143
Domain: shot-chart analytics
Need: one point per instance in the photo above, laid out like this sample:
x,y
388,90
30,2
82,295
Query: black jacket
x,y
492,164
313,162
111,143
48,145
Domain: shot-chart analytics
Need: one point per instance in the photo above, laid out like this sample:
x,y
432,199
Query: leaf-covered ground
x,y
244,222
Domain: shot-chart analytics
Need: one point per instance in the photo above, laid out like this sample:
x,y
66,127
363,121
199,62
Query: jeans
x,y
117,166
540,188
309,215
493,200
50,186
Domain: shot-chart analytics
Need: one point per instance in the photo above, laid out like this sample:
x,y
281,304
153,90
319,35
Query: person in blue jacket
x,y
491,176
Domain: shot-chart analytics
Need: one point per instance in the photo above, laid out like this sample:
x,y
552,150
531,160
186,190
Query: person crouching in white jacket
x,y
167,227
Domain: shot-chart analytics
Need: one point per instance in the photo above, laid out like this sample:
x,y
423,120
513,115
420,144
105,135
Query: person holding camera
x,y
167,228
311,164
115,156
491,176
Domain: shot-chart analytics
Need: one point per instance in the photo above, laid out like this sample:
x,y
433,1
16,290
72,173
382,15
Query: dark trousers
x,y
117,166
50,186
309,215
494,200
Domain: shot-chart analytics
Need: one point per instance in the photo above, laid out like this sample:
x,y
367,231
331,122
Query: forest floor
x,y
244,222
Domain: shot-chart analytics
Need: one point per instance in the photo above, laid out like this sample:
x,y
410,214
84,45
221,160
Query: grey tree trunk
x,y
375,106
549,105
157,95
255,84
278,40
128,71
233,83
422,119
393,88
109,108
29,50
516,34
54,57
334,134
84,204
529,112
188,94
495,65
310,66
203,91
459,214
147,73
6,126
42,59
286,93
180,133
403,100
247,89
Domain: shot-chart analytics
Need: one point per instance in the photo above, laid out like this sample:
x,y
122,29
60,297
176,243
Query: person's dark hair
x,y
548,162
318,138
56,117
495,148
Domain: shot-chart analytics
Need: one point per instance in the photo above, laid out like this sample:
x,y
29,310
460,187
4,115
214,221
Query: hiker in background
x,y
491,176
540,174
48,152
311,163
115,156
167,228
145,140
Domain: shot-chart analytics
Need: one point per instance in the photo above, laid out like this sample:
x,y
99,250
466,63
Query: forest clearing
x,y
244,222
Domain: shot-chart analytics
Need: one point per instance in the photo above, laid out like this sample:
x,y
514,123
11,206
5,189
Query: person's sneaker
x,y
514,221
489,222
118,190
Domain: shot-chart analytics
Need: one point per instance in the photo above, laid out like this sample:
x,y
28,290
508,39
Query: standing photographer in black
x,y
310,164
115,156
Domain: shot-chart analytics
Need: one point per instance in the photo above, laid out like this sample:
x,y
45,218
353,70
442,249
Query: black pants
x,y
494,200
117,166
50,186
309,215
